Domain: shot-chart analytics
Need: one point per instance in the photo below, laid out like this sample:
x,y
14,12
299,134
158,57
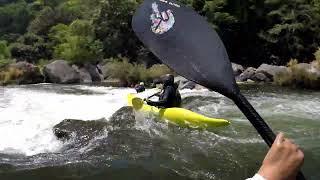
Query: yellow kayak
x,y
178,116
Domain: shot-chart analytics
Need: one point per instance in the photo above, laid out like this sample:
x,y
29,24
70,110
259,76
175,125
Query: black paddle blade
x,y
184,41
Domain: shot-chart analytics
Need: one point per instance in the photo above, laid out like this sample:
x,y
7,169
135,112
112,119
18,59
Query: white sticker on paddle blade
x,y
162,22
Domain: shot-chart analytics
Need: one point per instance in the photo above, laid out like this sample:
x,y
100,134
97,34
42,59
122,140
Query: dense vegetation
x,y
80,31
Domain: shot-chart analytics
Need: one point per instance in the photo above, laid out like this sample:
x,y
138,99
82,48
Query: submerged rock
x,y
85,130
59,71
123,118
77,128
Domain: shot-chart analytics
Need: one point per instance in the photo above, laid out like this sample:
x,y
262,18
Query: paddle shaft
x,y
259,124
156,94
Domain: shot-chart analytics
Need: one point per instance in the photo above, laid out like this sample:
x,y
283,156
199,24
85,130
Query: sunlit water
x,y
151,149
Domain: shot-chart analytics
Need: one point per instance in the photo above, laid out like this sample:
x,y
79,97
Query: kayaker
x,y
170,96
140,87
283,161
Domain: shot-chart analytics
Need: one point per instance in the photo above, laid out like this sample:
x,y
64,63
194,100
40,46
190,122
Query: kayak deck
x,y
178,116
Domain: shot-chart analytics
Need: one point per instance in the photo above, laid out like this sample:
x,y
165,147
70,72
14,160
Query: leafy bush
x,y
132,73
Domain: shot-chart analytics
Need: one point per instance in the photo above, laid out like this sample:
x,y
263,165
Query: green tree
x,y
76,42
14,18
4,54
43,21
4,50
278,30
113,28
30,47
293,29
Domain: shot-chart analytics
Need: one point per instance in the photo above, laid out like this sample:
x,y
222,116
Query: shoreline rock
x,y
30,74
60,72
237,69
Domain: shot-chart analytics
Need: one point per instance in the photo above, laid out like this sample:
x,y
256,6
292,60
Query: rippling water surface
x,y
150,149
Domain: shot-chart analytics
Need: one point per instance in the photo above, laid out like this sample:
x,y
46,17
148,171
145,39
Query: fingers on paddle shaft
x,y
260,125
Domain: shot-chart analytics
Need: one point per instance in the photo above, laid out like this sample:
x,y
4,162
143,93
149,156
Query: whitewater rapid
x,y
27,115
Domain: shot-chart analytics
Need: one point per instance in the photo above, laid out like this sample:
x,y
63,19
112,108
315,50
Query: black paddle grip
x,y
259,124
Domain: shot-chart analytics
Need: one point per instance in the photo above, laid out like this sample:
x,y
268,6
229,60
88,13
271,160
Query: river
x,y
150,149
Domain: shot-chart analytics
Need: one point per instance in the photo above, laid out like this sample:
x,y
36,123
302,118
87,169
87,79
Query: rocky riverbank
x,y
60,72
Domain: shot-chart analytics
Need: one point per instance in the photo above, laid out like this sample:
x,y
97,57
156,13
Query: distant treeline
x,y
81,31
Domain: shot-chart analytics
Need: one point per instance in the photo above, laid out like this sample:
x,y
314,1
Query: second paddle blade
x,y
184,41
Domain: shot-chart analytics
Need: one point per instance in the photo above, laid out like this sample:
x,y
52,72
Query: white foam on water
x,y
28,116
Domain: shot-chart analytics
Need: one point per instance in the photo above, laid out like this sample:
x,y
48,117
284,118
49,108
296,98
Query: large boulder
x,y
30,74
105,71
237,69
260,77
247,74
271,71
93,70
60,72
85,76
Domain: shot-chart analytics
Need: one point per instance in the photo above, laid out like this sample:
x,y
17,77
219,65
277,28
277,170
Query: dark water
x,y
151,149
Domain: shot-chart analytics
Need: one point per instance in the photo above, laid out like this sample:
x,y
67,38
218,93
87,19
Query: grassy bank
x,y
9,76
132,73
300,75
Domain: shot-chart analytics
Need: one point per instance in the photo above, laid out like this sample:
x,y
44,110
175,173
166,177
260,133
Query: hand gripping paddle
x,y
184,41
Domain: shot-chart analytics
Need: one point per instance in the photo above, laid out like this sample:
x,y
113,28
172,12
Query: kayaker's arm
x,y
156,103
163,101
